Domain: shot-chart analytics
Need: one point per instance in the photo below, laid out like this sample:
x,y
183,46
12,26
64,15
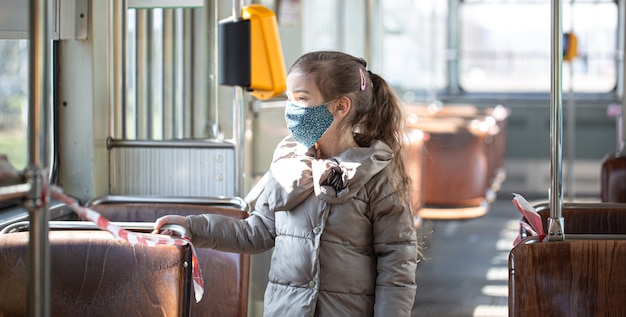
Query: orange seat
x,y
464,153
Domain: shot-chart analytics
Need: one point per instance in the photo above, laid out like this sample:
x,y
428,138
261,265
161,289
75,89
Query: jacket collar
x,y
333,180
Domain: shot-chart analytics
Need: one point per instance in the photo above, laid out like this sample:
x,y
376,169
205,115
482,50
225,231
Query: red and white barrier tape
x,y
133,237
534,224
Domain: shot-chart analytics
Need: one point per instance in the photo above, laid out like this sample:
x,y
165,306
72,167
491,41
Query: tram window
x,y
414,44
14,100
145,79
505,46
167,91
334,25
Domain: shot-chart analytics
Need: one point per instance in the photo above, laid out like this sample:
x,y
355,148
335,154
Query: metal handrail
x,y
14,191
578,237
582,205
185,143
236,202
593,236
85,225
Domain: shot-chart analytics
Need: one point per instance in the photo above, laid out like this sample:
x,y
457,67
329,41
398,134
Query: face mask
x,y
307,124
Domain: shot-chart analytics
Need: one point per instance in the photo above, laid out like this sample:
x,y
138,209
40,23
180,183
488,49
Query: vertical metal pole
x,y
452,45
621,8
369,19
188,70
36,201
571,133
432,55
340,12
142,86
374,31
37,79
555,222
117,42
180,90
237,6
571,126
168,74
149,71
212,21
199,73
239,113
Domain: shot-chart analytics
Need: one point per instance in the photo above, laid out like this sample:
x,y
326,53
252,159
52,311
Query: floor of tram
x,y
465,273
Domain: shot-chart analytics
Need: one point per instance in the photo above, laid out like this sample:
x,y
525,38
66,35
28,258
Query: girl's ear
x,y
342,107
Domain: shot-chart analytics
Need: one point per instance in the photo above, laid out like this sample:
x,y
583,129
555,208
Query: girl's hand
x,y
171,219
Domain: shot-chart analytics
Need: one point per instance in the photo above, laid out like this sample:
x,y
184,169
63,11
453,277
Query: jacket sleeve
x,y
395,244
255,234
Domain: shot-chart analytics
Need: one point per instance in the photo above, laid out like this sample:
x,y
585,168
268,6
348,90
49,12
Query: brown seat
x,y
498,148
568,278
94,274
464,153
225,274
572,277
613,178
456,164
588,218
495,139
413,160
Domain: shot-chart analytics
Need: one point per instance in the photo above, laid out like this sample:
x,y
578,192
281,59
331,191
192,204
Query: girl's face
x,y
308,115
302,91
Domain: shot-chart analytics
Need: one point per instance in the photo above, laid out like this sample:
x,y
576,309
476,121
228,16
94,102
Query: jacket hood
x,y
335,180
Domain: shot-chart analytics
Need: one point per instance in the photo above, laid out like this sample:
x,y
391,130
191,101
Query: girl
x,y
336,208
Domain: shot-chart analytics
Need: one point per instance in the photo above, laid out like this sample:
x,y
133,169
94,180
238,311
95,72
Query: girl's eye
x,y
296,98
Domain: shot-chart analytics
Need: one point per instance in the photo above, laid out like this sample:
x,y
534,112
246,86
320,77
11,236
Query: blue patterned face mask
x,y
307,124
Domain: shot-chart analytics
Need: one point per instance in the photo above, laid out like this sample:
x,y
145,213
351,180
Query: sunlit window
x,y
505,46
414,45
14,100
164,99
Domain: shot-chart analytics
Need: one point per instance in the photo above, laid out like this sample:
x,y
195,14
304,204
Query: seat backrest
x,y
456,168
613,178
413,162
94,274
568,278
589,218
225,274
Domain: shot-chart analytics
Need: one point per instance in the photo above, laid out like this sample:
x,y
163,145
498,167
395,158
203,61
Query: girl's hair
x,y
377,113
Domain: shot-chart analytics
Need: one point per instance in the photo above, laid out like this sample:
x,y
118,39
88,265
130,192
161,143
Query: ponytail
x,y
386,122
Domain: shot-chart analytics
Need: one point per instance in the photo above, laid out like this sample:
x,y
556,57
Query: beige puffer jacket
x,y
345,252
